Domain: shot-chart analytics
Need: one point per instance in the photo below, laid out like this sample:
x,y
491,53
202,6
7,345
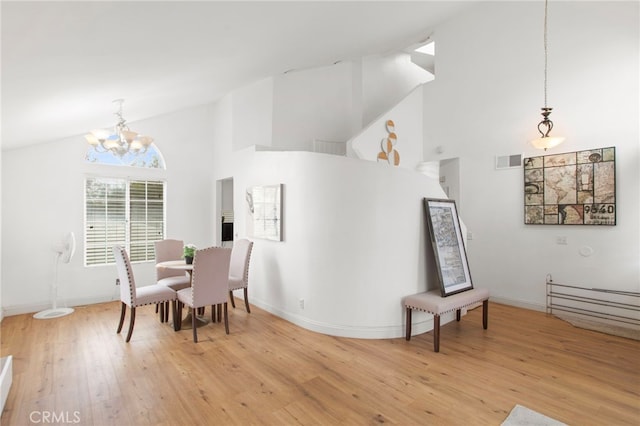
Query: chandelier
x,y
544,127
119,141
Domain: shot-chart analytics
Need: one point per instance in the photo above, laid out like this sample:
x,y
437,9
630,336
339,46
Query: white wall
x,y
407,116
1,304
253,114
354,242
486,101
386,79
312,104
43,196
333,103
354,231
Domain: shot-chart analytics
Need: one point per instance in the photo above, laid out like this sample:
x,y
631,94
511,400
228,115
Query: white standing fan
x,y
65,252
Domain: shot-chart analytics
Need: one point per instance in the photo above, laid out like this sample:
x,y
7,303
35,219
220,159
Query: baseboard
x,y
422,323
33,308
519,304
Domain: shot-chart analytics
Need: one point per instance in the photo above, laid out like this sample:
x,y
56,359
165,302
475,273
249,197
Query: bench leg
x,y
485,314
458,315
408,337
436,333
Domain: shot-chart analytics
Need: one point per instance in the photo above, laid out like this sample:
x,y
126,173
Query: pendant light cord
x,y
545,53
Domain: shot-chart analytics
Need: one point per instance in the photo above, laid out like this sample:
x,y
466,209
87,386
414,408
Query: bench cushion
x,y
433,303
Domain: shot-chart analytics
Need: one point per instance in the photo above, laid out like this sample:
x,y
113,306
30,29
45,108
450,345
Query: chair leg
x,y
485,314
161,311
177,320
174,311
246,300
458,314
132,322
124,309
436,333
166,311
408,328
219,311
193,325
233,302
213,313
226,318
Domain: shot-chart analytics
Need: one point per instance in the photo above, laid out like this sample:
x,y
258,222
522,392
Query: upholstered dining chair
x,y
239,270
209,286
170,249
133,296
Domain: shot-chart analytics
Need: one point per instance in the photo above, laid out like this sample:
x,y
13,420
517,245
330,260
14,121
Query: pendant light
x,y
545,141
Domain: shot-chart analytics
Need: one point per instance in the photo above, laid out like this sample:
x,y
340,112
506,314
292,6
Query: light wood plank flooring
x,y
269,371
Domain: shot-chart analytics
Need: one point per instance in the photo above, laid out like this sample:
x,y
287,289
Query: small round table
x,y
184,266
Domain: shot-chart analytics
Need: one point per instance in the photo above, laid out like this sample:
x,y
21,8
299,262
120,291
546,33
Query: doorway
x,y
224,213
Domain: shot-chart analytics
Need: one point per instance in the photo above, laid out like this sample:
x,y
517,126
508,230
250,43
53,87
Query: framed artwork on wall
x,y
574,188
448,246
264,212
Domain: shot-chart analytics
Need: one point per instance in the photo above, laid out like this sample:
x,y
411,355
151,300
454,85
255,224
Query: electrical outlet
x,y
301,302
117,281
562,240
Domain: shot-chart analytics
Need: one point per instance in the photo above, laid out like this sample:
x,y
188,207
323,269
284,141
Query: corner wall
x,y
43,198
354,242
486,101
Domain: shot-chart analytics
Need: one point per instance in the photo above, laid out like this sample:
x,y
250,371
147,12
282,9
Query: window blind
x,y
124,212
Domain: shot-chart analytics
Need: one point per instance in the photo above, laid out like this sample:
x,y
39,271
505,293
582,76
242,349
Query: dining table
x,y
182,265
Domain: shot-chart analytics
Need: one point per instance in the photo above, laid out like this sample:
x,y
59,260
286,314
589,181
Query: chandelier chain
x,y
122,123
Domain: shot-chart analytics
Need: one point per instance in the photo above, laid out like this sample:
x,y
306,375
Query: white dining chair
x,y
170,249
209,286
239,270
133,296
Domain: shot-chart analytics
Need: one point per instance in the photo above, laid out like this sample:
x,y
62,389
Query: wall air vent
x,y
508,161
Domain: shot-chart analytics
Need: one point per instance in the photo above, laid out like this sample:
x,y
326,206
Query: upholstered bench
x,y
433,303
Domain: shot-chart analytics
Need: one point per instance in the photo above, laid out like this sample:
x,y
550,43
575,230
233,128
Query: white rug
x,y
522,416
624,330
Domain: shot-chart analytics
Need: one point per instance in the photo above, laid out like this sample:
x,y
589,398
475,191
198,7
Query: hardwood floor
x,y
269,371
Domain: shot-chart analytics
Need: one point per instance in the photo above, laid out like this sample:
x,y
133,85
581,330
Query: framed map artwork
x,y
575,188
448,246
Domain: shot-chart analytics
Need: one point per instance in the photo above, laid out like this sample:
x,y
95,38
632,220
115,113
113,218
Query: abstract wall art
x,y
264,212
388,151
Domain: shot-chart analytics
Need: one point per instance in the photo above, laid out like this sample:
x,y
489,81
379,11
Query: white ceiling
x,y
63,63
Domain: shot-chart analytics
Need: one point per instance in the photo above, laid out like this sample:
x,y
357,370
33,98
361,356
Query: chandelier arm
x,y
122,141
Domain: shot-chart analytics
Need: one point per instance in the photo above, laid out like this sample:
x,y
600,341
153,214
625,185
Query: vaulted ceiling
x,y
63,63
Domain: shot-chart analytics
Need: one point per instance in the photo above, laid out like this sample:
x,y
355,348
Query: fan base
x,y
53,313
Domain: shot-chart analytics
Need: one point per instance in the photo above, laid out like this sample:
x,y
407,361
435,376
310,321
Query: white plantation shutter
x,y
125,212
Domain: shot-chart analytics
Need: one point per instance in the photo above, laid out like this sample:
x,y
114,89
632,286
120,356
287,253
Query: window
x,y
150,159
125,212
